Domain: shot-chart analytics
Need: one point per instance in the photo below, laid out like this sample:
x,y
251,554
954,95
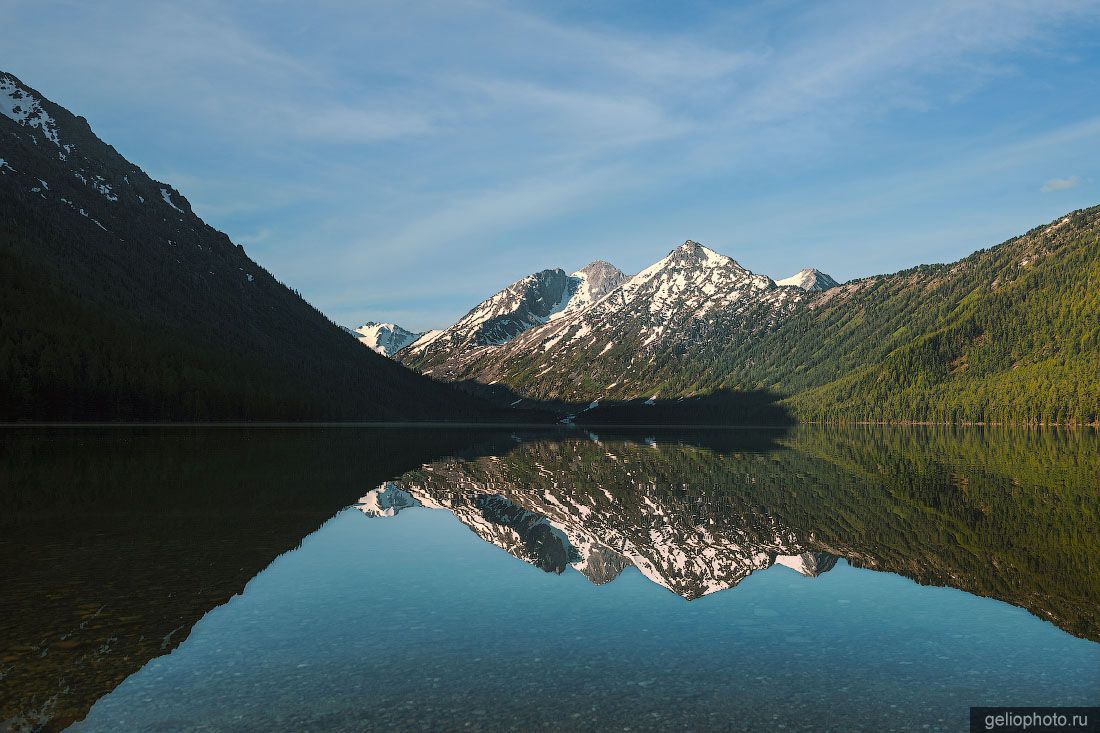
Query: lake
x,y
343,578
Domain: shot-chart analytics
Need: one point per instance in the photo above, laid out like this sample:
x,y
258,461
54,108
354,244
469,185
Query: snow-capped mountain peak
x,y
385,338
597,279
809,279
691,277
588,285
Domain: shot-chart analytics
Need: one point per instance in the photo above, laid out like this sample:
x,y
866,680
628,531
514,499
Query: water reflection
x,y
114,543
1007,515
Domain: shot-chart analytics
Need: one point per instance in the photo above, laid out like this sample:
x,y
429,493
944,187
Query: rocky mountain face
x,y
537,299
120,303
588,285
384,338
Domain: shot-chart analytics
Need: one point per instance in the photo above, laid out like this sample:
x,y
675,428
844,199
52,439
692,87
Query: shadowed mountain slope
x,y
117,302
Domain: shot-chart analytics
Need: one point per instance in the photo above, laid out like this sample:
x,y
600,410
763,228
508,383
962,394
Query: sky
x,y
401,161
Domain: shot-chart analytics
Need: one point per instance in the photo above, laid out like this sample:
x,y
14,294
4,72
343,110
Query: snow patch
x,y
167,196
20,105
426,339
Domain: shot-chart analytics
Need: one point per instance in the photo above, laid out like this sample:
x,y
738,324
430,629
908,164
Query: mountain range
x,y
1007,335
117,302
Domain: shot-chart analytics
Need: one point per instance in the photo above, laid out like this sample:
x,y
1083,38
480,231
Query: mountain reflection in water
x,y
1012,516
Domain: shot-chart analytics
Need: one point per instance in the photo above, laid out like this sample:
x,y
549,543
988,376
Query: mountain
x,y
540,298
607,349
809,279
385,338
117,302
1006,335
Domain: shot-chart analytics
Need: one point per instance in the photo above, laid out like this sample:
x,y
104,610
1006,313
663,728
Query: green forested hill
x,y
1009,334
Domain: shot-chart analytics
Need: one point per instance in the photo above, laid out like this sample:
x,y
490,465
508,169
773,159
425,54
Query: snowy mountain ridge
x,y
687,301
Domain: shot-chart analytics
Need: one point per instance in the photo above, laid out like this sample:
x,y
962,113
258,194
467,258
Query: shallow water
x,y
846,579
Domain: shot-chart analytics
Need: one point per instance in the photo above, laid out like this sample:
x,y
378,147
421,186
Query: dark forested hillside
x,y
118,303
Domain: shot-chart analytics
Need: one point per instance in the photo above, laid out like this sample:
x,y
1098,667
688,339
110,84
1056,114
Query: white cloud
x,y
1060,184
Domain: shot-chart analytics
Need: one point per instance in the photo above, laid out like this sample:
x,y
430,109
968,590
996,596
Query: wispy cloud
x,y
1060,184
361,145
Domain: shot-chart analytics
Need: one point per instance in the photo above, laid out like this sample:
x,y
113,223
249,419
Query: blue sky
x,y
403,160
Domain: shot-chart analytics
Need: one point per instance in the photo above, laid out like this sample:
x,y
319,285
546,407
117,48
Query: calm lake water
x,y
347,579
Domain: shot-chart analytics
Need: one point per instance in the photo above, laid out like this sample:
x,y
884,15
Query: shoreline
x,y
539,426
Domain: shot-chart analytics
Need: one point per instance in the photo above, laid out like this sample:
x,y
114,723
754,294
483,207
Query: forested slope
x,y
118,303
1008,335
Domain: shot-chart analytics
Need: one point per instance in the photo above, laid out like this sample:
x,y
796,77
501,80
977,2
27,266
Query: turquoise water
x,y
415,623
